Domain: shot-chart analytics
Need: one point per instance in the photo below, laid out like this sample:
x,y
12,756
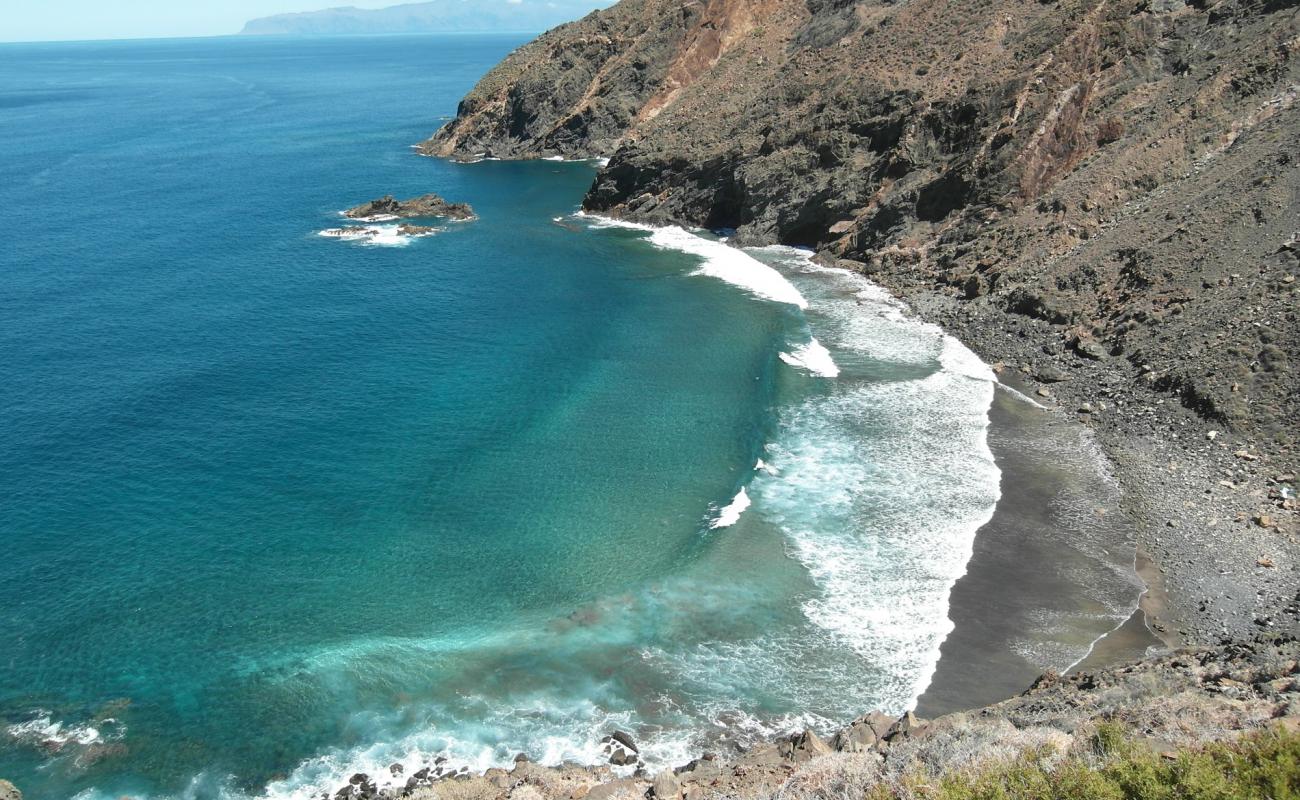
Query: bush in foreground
x,y
1260,766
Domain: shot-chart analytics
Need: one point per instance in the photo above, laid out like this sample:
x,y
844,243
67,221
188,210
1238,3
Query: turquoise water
x,y
276,507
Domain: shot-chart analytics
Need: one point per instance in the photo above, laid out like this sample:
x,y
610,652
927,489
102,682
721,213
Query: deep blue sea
x,y
277,507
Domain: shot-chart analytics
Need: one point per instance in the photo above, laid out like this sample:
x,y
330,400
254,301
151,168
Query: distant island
x,y
449,16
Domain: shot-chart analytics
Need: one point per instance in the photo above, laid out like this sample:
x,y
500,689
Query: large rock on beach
x,y
666,786
863,733
616,790
625,739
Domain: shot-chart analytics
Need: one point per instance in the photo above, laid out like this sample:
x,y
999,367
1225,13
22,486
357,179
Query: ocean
x,y
277,507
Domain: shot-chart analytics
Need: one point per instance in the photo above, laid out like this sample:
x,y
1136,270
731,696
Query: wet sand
x,y
1051,583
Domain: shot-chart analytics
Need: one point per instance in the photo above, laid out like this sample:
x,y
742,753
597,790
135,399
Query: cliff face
x,y
1125,173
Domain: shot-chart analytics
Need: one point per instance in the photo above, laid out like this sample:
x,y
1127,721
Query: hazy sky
x,y
50,20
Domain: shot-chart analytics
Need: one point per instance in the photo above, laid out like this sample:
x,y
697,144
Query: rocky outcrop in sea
x,y
429,205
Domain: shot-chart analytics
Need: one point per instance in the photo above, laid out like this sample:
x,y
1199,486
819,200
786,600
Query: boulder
x,y
666,786
9,792
615,790
1050,374
625,739
805,747
407,229
862,733
812,744
621,757
906,725
1090,348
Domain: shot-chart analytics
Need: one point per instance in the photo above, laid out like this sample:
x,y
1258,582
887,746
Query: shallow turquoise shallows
x,y
276,507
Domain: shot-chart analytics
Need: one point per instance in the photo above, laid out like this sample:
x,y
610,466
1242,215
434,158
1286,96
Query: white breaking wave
x,y
729,514
555,734
813,357
48,732
719,260
880,486
375,235
883,483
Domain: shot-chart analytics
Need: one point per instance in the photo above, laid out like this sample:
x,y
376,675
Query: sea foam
x,y
717,260
883,484
375,235
813,357
729,514
47,732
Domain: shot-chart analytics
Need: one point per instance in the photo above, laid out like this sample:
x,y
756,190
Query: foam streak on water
x,y
813,357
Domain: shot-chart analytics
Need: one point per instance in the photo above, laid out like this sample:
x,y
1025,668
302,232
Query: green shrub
x,y
1260,766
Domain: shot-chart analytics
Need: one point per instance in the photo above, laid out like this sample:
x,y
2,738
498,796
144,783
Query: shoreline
x,y
1014,620
1047,581
1217,556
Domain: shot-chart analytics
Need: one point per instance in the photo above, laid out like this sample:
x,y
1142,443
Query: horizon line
x,y
270,36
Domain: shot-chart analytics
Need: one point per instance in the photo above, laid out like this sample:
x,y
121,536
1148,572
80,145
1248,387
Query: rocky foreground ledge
x,y
1183,699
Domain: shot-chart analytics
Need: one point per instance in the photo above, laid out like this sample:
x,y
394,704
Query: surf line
x,y
721,261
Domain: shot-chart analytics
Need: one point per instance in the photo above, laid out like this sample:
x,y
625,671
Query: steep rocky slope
x,y
1099,195
1120,169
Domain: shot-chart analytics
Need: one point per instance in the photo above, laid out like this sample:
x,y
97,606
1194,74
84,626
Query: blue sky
x,y
52,20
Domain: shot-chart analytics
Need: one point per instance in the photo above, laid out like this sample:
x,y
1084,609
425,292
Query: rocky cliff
x,y
1102,197
1124,171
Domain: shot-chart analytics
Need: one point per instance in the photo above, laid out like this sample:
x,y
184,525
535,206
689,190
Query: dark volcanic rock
x,y
429,205
625,739
1108,167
